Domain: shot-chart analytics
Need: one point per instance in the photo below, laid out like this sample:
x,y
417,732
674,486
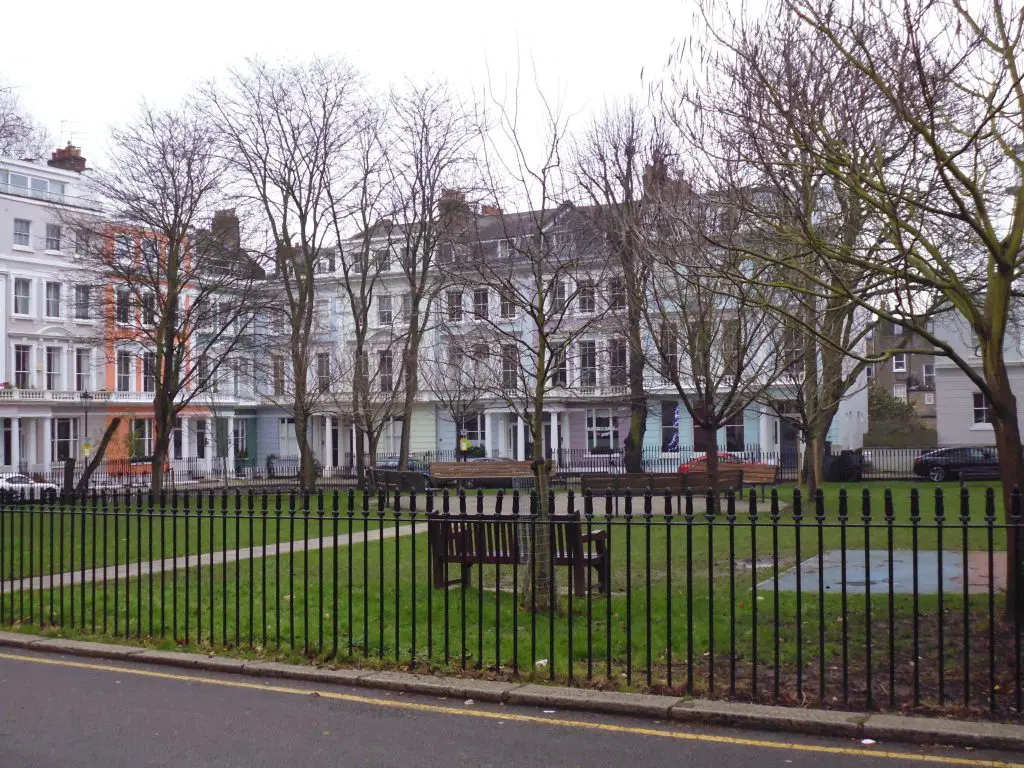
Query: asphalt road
x,y
63,711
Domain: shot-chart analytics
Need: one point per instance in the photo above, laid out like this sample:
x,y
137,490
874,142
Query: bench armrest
x,y
594,536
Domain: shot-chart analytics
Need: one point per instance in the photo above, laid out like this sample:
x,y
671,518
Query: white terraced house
x,y
50,326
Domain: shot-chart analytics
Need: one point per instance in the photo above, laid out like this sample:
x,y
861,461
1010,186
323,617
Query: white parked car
x,y
14,487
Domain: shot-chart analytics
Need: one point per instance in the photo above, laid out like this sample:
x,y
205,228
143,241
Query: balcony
x,y
12,395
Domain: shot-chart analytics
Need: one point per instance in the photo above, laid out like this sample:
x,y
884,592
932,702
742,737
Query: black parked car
x,y
414,464
958,464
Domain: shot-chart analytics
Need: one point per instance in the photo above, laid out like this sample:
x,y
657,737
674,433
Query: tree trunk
x,y
360,457
307,468
711,440
814,462
101,449
411,386
163,424
540,580
1011,468
634,454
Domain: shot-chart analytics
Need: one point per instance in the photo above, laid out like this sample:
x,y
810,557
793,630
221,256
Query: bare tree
x,y
533,267
715,345
457,378
285,131
377,308
942,79
20,135
177,289
766,84
430,133
619,156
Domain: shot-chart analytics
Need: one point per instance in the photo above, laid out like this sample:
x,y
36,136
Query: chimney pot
x,y
68,158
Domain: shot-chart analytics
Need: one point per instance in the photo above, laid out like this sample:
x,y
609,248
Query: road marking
x,y
518,718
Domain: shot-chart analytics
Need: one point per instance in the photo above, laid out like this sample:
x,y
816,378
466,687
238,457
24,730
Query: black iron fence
x,y
279,470
875,600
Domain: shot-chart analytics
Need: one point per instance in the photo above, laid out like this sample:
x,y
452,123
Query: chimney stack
x,y
68,159
226,230
490,210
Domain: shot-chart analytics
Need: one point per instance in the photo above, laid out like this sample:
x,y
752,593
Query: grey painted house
x,y
962,416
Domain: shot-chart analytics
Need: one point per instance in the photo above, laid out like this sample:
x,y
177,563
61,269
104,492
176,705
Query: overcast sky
x,y
80,67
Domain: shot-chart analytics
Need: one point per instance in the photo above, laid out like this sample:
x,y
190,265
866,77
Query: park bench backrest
x,y
457,470
637,483
698,480
760,474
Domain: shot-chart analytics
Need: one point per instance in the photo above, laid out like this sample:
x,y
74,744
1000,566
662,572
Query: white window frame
x,y
982,413
615,371
929,398
123,378
928,376
26,298
54,368
71,440
588,373
474,428
83,291
83,373
899,362
148,309
146,437
385,311
148,379
454,307
53,238
616,294
899,390
123,306
323,372
507,310
586,298
286,437
51,310
594,431
23,376
238,437
484,305
509,367
22,237
124,246
386,381
559,291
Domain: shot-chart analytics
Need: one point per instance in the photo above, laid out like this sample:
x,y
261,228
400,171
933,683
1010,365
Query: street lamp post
x,y
86,399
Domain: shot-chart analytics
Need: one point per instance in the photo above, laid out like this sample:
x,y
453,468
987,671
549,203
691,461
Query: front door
x,y
788,439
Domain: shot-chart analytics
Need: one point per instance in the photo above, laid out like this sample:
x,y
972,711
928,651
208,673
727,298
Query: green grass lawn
x,y
43,539
656,620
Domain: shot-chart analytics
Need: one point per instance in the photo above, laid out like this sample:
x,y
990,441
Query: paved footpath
x,y
488,507
206,559
95,712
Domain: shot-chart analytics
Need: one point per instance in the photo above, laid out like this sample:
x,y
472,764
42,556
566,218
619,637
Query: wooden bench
x,y
467,474
397,480
637,483
760,474
699,481
496,541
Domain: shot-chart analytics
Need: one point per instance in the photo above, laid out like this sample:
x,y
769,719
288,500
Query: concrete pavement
x,y
63,711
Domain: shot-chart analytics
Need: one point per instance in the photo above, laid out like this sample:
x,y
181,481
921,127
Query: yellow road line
x,y
518,718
